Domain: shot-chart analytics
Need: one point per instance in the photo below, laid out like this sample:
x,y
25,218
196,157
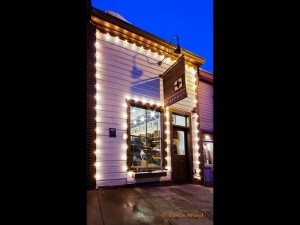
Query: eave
x,y
107,23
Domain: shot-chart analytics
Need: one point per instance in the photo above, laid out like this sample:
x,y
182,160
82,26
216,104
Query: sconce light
x,y
177,50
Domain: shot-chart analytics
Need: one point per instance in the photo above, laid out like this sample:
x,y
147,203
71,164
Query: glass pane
x,y
208,148
136,147
153,124
178,120
178,142
137,121
154,152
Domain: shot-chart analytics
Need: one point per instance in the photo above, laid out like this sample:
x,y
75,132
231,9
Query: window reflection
x,y
178,142
145,137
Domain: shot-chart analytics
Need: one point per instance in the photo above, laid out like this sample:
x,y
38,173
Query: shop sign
x,y
174,83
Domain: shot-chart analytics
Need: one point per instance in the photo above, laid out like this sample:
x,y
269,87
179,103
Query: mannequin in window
x,y
143,155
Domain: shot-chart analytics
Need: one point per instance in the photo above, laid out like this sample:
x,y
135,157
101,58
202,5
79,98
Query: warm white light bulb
x,y
123,156
152,114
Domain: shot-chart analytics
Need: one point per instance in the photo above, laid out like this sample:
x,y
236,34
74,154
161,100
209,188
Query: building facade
x,y
131,136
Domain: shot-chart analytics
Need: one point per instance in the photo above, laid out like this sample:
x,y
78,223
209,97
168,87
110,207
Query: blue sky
x,y
190,20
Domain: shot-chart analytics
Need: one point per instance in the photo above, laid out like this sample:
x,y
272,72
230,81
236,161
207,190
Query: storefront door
x,y
180,171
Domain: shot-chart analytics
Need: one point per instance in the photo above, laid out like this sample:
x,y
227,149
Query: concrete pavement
x,y
185,204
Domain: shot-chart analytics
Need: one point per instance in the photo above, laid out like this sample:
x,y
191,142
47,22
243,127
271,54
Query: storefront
x,y
133,137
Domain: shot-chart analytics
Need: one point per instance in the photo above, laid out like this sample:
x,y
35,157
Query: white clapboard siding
x,y
124,70
109,55
115,81
146,59
111,169
106,126
103,164
137,53
206,106
111,182
106,176
111,102
112,108
146,92
104,132
110,120
128,70
119,149
110,157
109,140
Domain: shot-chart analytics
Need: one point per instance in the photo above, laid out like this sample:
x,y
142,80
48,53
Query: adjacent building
x,y
205,112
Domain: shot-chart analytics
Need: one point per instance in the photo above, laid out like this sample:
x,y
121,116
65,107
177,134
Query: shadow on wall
x,y
149,86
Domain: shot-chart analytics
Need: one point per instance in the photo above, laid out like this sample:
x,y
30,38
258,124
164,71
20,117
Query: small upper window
x,y
180,120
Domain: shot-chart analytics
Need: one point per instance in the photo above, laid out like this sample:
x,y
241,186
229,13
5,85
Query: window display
x,y
208,148
145,138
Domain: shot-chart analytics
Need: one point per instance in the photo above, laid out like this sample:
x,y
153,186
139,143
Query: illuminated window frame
x,y
152,107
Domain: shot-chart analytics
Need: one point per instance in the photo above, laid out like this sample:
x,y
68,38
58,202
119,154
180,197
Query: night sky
x,y
190,20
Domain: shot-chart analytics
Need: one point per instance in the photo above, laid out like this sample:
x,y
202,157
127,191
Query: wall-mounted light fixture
x,y
177,50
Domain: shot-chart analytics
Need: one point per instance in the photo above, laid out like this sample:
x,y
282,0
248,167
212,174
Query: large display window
x,y
145,139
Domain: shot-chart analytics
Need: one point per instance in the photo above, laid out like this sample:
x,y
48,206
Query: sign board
x,y
112,132
174,83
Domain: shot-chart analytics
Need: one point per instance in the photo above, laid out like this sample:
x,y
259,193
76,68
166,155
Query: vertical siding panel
x,y
206,106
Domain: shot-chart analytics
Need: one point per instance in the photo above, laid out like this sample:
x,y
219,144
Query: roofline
x,y
134,34
205,76
206,71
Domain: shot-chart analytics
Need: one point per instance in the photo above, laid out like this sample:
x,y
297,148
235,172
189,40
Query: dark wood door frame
x,y
188,129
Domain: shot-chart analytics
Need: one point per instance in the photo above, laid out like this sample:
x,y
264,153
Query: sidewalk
x,y
185,204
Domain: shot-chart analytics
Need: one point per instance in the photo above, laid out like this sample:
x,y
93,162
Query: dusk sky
x,y
190,20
